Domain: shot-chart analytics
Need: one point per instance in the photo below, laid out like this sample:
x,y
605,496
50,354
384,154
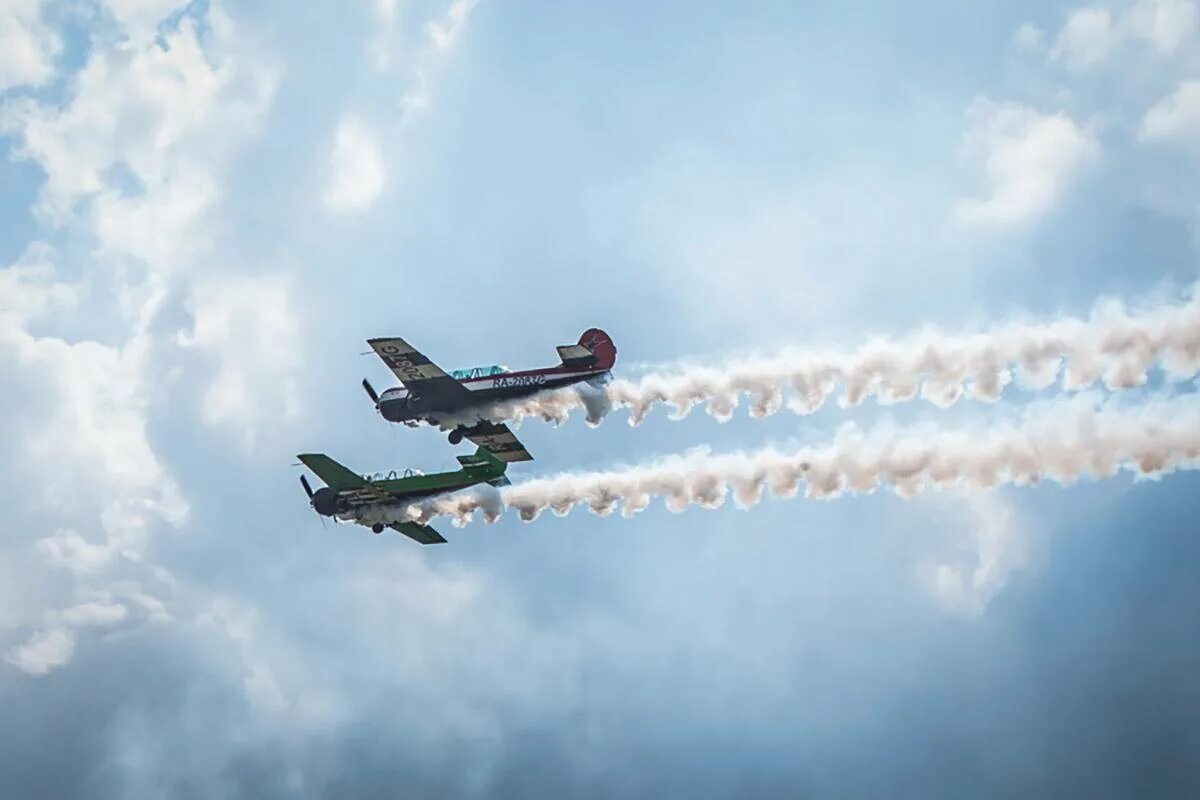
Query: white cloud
x,y
248,647
356,167
471,609
93,419
151,608
158,227
1029,38
386,9
139,135
417,97
1029,158
442,33
1093,35
70,550
1088,38
29,289
162,113
89,447
246,324
1165,25
275,681
966,585
1176,117
94,613
438,38
383,42
130,107
133,157
45,651
29,46
139,19
97,419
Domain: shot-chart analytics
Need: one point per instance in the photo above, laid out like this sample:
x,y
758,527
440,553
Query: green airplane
x,y
380,502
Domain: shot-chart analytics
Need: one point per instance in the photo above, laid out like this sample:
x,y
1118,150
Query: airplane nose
x,y
324,501
393,408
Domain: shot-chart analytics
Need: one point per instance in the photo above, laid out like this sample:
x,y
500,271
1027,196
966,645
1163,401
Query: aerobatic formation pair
x,y
457,401
1152,352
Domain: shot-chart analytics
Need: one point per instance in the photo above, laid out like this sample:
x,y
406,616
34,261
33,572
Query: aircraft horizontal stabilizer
x,y
576,355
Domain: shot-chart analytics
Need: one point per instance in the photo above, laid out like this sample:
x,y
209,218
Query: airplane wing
x,y
357,489
422,534
501,442
334,474
419,375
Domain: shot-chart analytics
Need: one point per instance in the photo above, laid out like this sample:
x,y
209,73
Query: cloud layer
x,y
180,300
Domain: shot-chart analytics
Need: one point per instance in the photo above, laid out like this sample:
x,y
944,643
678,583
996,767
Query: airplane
x,y
430,394
382,501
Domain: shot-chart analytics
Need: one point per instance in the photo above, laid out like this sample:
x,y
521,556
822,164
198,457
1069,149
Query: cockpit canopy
x,y
408,472
478,372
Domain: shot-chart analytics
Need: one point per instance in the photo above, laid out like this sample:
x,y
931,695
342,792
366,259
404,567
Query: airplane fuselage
x,y
370,512
398,405
382,513
402,492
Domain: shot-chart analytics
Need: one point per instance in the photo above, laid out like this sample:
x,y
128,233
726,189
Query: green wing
x,y
417,532
334,474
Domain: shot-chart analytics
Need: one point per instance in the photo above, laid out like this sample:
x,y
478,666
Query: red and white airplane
x,y
431,395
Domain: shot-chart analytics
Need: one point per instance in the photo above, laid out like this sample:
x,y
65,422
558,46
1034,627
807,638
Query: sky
x,y
209,206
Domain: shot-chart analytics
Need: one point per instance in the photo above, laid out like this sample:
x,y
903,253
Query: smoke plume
x,y
1062,444
1114,346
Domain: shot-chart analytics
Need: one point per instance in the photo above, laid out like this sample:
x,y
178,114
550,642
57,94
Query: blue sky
x,y
209,206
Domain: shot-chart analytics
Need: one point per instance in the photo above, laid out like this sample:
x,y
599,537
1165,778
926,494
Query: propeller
x,y
371,392
308,491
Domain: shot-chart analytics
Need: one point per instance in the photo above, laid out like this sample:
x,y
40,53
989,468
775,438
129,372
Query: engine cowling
x,y
396,407
325,501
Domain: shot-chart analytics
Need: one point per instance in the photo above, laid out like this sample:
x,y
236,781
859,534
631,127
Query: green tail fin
x,y
482,457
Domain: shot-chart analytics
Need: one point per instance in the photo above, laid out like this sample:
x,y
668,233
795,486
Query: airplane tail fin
x,y
595,349
482,457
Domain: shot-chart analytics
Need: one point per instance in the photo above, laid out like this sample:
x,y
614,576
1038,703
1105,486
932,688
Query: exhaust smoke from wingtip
x,y
1114,346
1063,445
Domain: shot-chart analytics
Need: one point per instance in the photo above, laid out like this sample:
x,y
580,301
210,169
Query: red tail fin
x,y
601,346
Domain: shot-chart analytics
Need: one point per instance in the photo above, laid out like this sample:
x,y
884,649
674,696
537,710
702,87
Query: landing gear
x,y
456,435
377,528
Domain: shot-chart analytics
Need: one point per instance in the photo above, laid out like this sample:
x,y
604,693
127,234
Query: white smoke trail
x,y
1114,346
1064,444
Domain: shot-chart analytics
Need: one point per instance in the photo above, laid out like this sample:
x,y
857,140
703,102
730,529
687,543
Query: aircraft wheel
x,y
376,528
456,436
